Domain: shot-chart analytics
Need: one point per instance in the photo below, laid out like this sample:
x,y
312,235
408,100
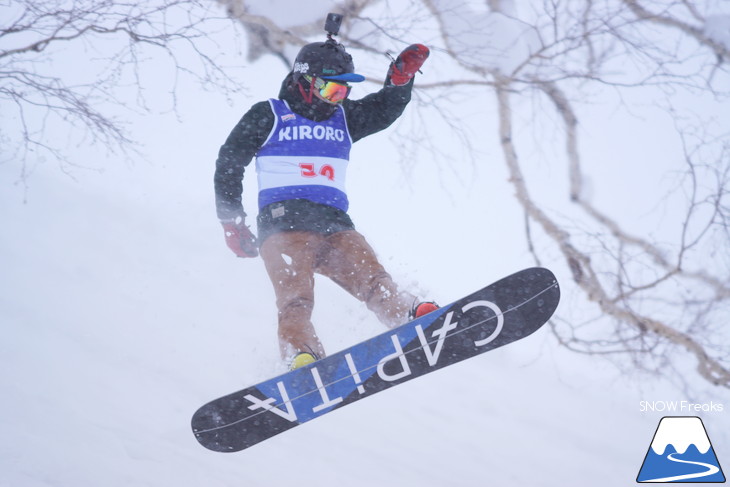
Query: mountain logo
x,y
681,452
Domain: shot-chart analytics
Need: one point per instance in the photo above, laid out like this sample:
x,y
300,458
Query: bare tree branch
x,y
580,264
115,41
721,51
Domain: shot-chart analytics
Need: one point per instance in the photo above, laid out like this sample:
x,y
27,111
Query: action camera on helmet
x,y
332,24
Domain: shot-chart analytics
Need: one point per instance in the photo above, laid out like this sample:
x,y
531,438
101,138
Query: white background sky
x,y
123,311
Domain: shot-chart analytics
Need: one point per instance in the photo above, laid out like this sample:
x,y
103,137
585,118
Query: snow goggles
x,y
329,90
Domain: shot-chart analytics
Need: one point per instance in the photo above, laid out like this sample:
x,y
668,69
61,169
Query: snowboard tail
x,y
499,314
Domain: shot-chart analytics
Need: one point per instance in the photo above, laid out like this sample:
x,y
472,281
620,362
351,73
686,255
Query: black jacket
x,y
366,116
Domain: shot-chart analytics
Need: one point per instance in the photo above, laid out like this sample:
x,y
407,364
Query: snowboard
x,y
499,314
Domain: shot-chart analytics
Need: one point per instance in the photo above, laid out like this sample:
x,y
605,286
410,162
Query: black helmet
x,y
327,60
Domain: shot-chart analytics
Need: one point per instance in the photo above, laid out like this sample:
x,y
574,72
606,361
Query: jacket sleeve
x,y
376,111
235,154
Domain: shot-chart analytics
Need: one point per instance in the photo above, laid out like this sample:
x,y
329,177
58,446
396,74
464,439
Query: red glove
x,y
240,239
407,64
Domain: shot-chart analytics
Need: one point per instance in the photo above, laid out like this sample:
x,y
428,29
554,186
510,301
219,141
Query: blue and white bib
x,y
304,159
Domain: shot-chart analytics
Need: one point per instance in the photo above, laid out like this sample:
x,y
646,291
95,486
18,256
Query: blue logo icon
x,y
681,452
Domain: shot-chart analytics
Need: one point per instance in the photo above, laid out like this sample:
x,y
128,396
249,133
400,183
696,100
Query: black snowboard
x,y
499,314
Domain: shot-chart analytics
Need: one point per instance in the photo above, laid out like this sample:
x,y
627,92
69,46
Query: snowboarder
x,y
301,142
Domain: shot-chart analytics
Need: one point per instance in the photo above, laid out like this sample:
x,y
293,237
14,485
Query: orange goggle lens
x,y
328,90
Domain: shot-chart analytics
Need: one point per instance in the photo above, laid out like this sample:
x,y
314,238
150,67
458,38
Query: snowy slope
x,y
122,311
